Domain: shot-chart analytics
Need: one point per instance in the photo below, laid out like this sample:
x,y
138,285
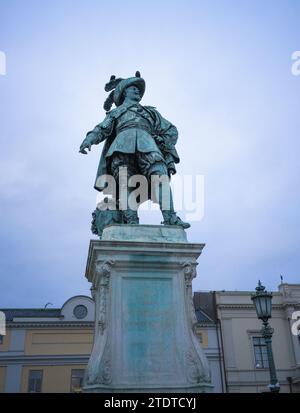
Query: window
x,y
80,311
35,381
77,380
260,353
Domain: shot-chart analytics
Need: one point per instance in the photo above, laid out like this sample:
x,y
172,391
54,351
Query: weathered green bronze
x,y
263,305
136,137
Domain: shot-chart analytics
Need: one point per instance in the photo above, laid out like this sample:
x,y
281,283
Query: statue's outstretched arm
x,y
98,134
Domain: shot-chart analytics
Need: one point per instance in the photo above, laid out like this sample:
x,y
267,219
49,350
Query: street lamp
x,y
262,300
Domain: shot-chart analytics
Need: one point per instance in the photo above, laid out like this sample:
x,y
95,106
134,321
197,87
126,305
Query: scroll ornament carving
x,y
195,371
189,269
99,374
104,374
103,271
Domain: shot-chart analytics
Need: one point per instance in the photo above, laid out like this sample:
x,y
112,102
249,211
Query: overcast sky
x,y
219,70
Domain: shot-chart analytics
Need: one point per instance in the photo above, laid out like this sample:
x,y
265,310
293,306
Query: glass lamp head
x,y
262,300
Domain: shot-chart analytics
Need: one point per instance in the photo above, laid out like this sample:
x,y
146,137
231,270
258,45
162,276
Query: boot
x,y
170,218
169,215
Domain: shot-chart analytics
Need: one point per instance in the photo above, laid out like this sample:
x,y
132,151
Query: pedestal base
x,y
208,388
144,329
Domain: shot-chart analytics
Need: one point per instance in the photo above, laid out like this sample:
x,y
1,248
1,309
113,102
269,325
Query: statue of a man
x,y
136,137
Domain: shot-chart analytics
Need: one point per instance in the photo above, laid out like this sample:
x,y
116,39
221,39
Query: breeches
x,y
147,164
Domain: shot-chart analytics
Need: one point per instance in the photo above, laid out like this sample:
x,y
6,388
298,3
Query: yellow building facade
x,y
46,350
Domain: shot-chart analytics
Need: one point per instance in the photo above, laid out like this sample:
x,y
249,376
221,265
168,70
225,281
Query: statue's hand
x,y
86,144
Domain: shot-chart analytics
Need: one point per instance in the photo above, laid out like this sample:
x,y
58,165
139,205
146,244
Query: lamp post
x,y
262,300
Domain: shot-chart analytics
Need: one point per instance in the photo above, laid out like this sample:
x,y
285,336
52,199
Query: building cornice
x,y
44,359
50,324
246,306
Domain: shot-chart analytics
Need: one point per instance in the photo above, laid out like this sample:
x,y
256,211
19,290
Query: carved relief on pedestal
x,y
104,372
103,269
189,270
195,370
197,367
99,366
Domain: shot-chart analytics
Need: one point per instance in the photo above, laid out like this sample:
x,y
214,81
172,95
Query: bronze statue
x,y
136,137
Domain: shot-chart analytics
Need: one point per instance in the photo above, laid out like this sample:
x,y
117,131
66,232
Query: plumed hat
x,y
116,87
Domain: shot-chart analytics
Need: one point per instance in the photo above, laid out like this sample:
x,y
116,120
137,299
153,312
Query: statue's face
x,y
133,93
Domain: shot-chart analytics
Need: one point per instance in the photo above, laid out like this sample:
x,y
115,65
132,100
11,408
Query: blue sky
x,y
219,70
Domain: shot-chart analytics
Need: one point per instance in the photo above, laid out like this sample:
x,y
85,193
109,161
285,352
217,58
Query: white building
x,y
243,348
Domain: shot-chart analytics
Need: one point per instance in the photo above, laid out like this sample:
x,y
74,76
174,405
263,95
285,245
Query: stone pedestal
x,y
144,327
